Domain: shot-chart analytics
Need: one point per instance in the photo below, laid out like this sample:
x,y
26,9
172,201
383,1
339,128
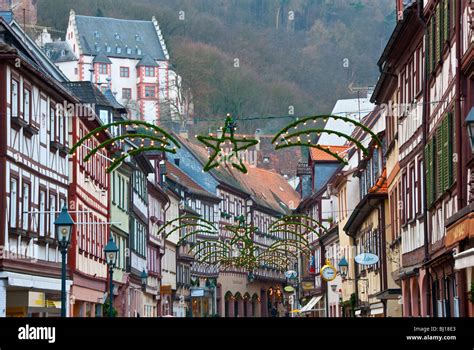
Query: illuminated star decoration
x,y
218,155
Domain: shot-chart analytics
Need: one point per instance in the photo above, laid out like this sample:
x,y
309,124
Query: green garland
x,y
116,162
285,136
215,144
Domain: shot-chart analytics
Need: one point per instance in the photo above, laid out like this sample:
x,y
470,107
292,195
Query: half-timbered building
x,y
34,175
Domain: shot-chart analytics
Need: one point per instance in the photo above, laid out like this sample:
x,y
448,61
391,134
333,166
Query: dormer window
x,y
63,53
139,51
117,36
119,49
108,48
150,71
97,47
137,37
96,34
129,51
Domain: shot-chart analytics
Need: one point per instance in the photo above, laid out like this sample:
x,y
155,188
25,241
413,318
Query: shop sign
x,y
460,230
366,259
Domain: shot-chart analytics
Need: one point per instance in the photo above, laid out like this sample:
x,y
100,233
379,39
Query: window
x,y
126,93
52,123
13,202
124,72
129,51
26,206
150,91
150,71
52,213
139,51
108,48
42,214
102,68
119,49
15,99
27,104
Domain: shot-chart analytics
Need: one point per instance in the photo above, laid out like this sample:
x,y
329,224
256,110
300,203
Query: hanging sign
x,y
366,259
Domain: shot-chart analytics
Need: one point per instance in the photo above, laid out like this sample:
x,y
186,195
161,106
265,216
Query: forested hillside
x,y
258,57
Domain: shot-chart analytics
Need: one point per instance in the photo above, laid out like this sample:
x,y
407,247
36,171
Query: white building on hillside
x,y
130,56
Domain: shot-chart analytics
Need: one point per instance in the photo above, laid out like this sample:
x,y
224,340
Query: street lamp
x,y
144,278
111,252
470,127
63,225
343,267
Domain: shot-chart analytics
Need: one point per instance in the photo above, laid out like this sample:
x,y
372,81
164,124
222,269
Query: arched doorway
x,y
228,308
247,305
238,307
415,298
255,302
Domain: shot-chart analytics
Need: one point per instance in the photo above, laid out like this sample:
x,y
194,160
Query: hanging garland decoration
x,y
150,132
285,139
288,240
216,144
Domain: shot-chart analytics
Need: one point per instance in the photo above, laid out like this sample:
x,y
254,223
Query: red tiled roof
x,y
269,189
381,186
318,155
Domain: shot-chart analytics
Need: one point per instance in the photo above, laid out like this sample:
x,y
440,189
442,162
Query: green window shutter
x,y
433,45
450,140
438,166
438,33
447,20
429,173
446,154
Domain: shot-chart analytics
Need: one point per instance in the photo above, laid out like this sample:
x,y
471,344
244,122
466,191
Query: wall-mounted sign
x,y
366,259
328,272
303,169
307,285
290,274
289,289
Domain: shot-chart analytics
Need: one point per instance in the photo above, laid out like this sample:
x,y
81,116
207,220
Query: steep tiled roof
x,y
87,92
321,156
59,51
381,186
175,174
102,58
269,189
97,32
147,61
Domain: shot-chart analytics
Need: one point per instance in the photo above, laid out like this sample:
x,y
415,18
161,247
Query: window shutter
x,y
429,172
450,142
446,154
438,162
438,34
447,20
433,45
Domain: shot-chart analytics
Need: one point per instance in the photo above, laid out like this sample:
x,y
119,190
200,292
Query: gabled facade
x,y
34,177
445,186
89,196
400,94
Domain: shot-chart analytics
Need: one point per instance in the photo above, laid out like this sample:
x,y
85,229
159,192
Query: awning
x,y
464,259
308,307
376,309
